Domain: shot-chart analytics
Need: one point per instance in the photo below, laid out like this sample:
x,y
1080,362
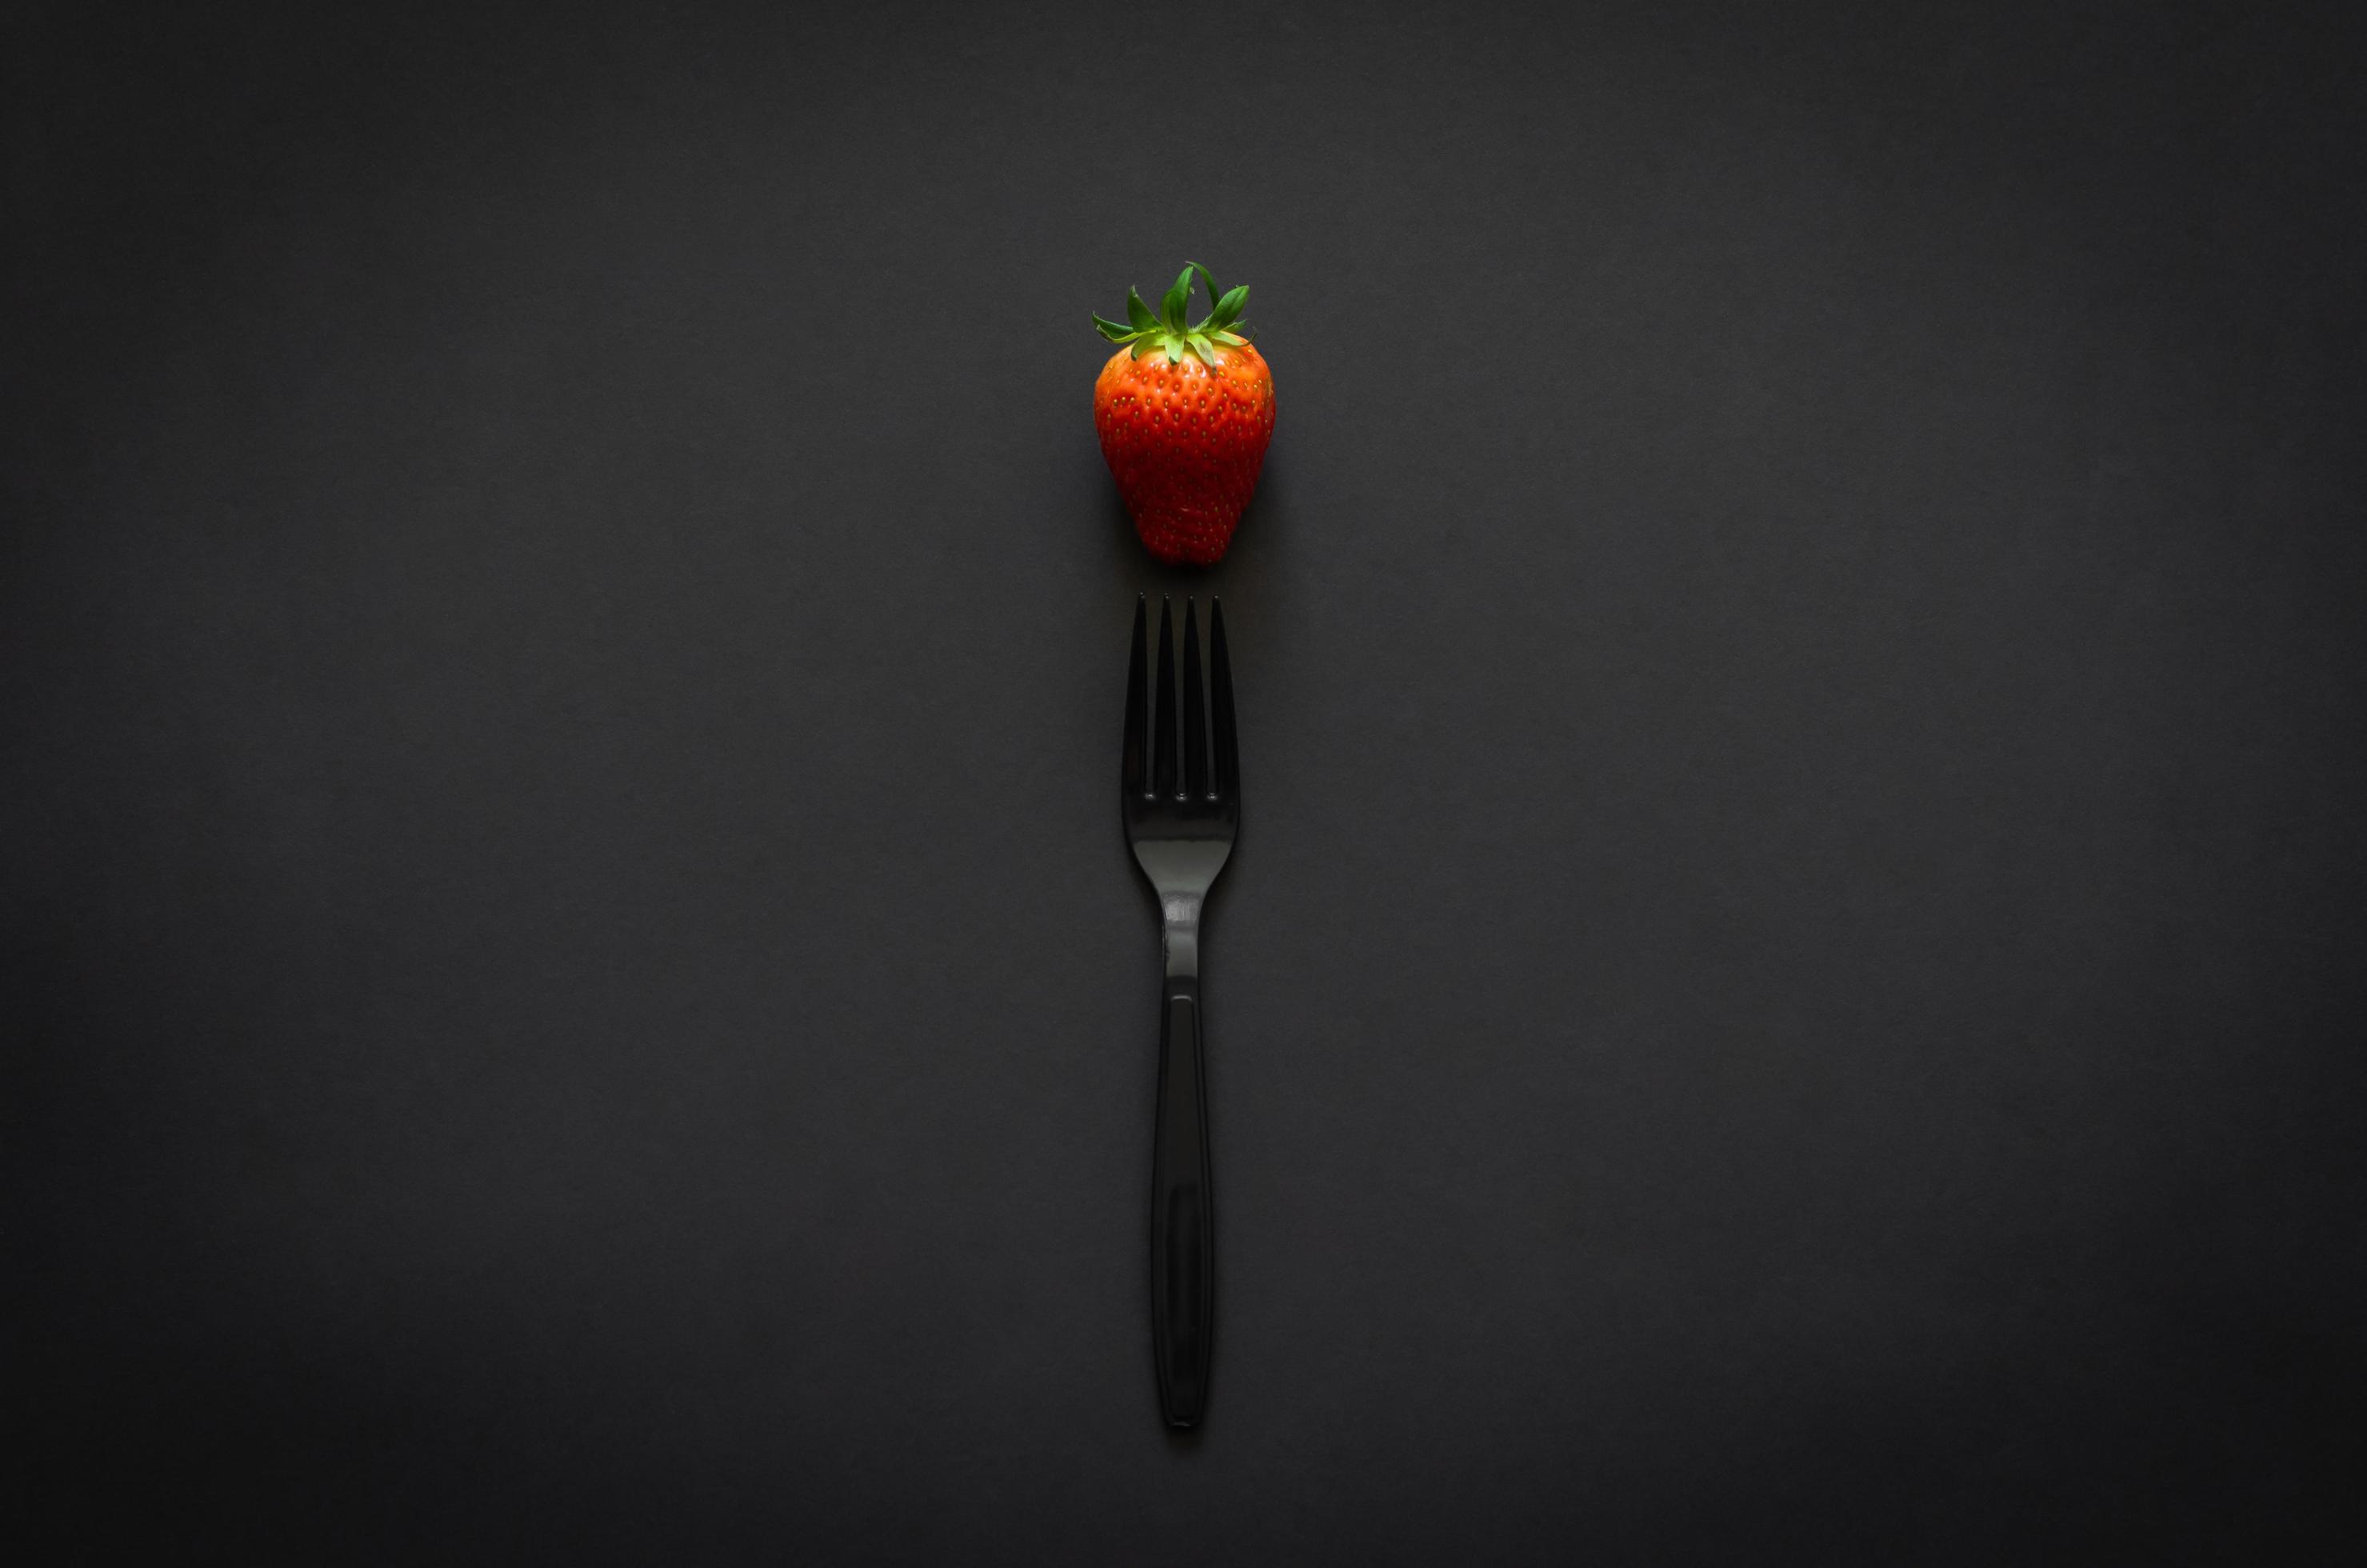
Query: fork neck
x,y
1180,919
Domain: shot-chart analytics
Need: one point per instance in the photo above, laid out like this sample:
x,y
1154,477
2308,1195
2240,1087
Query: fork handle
x,y
1183,1218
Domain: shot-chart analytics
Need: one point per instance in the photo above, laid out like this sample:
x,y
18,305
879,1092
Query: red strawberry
x,y
1184,413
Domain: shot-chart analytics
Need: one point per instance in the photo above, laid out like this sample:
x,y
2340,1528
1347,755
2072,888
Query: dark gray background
x,y
1793,985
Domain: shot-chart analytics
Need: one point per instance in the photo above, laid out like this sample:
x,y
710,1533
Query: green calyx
x,y
1166,332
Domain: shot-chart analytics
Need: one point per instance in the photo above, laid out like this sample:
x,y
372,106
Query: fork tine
x,y
1137,721
1162,753
1196,710
1220,684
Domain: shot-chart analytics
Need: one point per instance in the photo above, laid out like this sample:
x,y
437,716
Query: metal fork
x,y
1181,832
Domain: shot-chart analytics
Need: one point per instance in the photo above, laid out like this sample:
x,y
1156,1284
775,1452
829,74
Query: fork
x,y
1181,831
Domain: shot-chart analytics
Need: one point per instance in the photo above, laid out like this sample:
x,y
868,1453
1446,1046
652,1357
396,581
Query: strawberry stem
x,y
1168,330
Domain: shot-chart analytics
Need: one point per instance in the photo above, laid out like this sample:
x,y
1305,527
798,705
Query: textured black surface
x,y
1793,984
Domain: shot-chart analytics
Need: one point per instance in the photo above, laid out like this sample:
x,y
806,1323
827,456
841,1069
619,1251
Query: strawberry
x,y
1184,413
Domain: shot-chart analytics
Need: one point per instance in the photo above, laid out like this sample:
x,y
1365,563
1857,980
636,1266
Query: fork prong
x,y
1196,710
1163,749
1220,692
1138,721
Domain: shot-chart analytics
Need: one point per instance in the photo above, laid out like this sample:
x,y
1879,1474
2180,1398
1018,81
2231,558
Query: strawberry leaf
x,y
1168,329
1209,278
